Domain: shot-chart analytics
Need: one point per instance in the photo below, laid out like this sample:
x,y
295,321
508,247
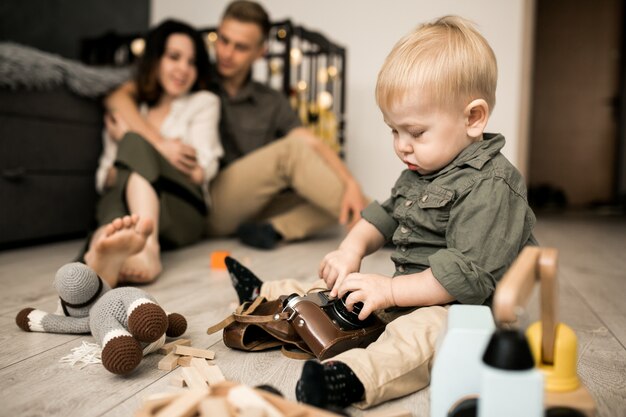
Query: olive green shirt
x,y
467,222
256,116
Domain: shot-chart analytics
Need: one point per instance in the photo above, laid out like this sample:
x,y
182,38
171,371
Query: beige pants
x,y
286,183
399,362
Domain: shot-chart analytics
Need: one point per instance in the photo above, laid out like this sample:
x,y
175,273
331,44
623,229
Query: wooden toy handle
x,y
515,288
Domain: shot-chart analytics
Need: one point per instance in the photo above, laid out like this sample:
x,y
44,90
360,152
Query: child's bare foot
x,y
114,243
144,266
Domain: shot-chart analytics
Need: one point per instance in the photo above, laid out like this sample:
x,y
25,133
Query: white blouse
x,y
194,118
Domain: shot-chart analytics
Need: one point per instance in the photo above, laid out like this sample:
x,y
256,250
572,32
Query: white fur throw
x,y
23,67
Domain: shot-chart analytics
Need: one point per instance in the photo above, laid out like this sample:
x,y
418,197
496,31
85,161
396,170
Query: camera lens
x,y
346,318
356,308
291,297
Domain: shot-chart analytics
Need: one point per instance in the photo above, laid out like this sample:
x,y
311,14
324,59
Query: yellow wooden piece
x,y
560,375
553,344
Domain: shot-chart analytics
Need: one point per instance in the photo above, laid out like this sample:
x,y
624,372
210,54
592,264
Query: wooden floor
x,y
34,383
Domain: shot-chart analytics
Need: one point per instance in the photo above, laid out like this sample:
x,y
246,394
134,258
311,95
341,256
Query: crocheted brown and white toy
x,y
126,322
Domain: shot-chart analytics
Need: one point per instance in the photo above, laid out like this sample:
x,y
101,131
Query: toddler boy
x,y
458,217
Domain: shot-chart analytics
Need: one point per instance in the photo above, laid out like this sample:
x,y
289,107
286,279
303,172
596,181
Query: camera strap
x,y
261,325
243,314
293,352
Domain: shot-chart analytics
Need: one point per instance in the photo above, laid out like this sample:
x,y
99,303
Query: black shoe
x,y
311,387
331,385
261,236
244,281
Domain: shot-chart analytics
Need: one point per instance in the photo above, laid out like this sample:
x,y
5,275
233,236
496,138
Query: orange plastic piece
x,y
217,259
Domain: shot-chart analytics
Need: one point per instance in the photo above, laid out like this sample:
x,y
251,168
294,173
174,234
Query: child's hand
x,y
335,266
373,290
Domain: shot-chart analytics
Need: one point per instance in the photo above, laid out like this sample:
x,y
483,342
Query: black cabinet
x,y
50,142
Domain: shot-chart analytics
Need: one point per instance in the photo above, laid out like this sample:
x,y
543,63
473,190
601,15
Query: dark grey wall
x,y
58,25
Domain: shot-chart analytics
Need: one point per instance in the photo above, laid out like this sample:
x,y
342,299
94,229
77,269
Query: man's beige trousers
x,y
286,183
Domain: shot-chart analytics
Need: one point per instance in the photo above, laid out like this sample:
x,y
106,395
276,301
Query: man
x,y
278,181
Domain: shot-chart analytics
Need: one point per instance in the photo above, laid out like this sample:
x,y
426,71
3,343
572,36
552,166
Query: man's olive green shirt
x,y
254,117
467,222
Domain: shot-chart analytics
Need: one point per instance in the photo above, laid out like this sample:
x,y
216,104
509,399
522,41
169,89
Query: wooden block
x,y
177,381
211,373
193,379
169,347
393,411
284,406
243,398
218,259
198,353
252,412
143,412
160,398
185,360
214,407
185,405
155,402
215,375
169,362
288,408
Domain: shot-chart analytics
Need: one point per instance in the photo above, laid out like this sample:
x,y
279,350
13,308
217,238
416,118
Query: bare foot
x,y
114,243
143,267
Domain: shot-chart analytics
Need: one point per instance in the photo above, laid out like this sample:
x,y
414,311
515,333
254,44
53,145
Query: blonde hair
x,y
448,60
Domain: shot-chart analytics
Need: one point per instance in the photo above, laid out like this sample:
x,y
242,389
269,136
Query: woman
x,y
155,196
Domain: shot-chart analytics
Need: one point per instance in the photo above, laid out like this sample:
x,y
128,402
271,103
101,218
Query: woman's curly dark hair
x,y
149,90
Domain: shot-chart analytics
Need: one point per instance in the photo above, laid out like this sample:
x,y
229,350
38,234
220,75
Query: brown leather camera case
x,y
324,337
257,326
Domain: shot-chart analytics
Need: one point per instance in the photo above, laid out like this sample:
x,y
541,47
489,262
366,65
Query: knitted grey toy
x,y
123,321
